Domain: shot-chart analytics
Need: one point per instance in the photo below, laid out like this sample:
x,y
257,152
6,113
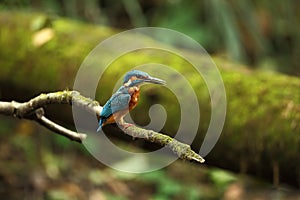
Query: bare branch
x,y
33,110
65,97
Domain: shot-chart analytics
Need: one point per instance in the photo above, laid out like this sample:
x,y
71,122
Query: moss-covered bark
x,y
262,128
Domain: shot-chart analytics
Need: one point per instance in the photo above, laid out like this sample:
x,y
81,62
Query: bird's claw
x,y
125,125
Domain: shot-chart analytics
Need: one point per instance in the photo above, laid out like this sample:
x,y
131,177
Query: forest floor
x,y
38,165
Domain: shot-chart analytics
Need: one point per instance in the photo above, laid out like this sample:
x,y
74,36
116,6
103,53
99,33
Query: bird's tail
x,y
99,129
101,121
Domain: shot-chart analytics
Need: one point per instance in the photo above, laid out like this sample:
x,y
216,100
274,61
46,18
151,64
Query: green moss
x,y
54,64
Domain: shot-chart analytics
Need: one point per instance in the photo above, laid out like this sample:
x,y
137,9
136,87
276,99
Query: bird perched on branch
x,y
125,99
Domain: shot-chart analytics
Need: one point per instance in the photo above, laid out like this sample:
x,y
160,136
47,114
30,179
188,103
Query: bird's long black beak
x,y
155,80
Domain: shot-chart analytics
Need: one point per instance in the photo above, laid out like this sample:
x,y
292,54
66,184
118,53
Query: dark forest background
x,y
255,44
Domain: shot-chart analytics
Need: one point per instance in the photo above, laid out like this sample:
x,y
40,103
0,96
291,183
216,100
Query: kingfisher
x,y
125,99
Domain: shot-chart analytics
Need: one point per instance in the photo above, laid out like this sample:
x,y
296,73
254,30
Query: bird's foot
x,y
125,125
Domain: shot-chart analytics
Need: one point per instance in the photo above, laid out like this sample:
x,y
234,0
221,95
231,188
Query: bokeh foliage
x,y
263,109
263,34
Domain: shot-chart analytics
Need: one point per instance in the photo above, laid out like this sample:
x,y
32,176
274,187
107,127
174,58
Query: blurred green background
x,y
254,43
261,34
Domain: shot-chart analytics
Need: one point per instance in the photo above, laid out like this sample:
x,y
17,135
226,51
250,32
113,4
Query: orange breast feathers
x,y
135,95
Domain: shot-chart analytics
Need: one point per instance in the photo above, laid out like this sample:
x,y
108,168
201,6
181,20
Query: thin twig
x,y
44,121
33,110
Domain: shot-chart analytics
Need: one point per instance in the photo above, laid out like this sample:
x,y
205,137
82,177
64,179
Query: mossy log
x,y
262,129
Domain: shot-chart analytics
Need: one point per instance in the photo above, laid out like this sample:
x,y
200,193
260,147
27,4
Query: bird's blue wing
x,y
119,101
106,110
